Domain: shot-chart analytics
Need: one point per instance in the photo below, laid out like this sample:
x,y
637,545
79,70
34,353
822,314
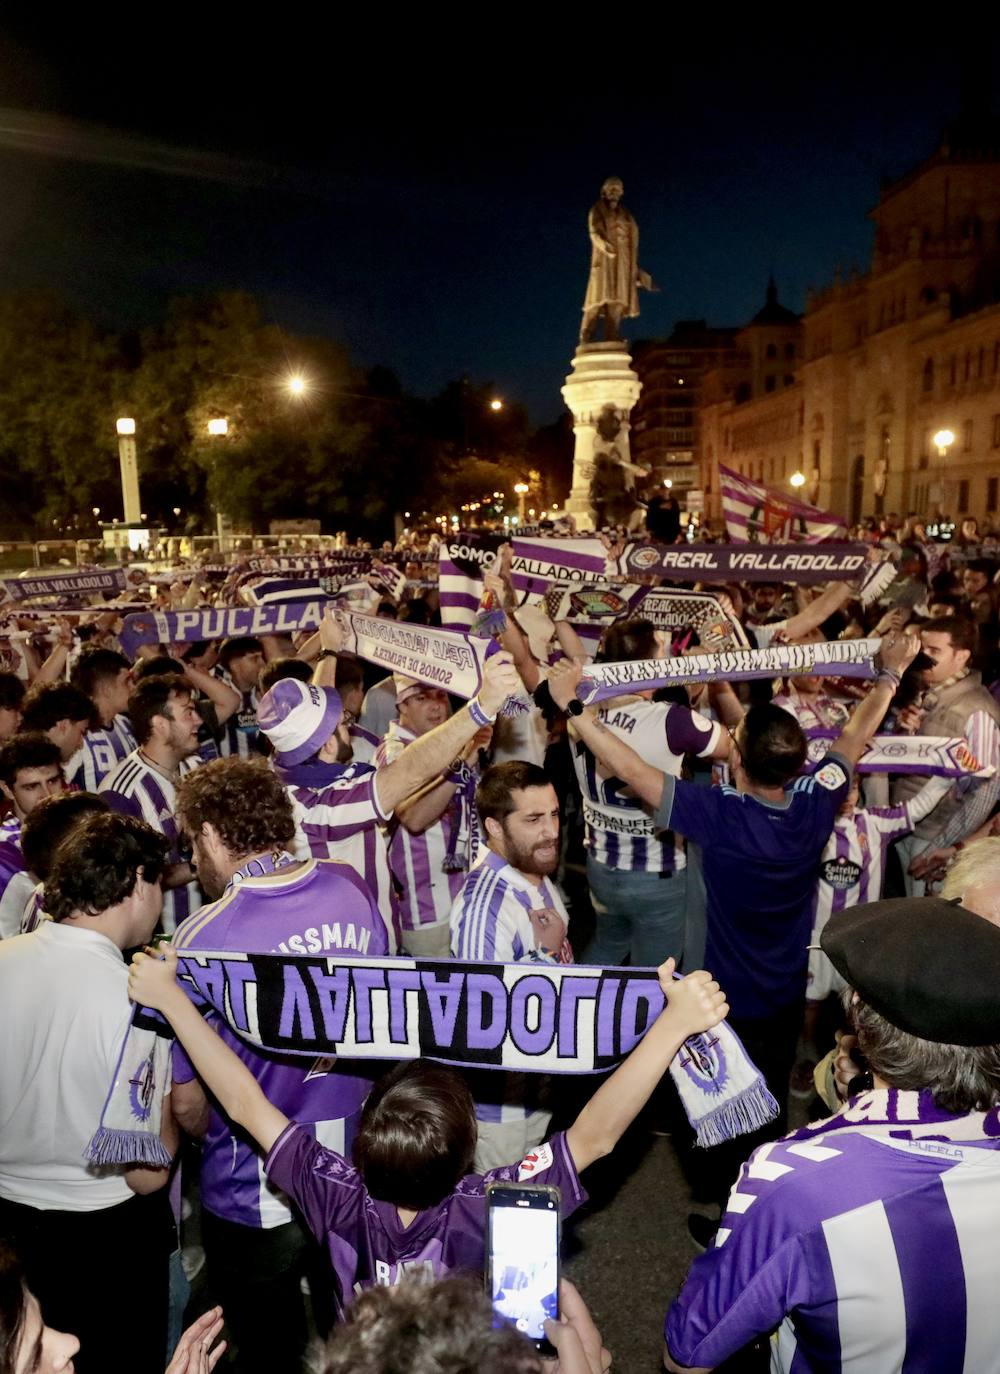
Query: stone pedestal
x,y
600,391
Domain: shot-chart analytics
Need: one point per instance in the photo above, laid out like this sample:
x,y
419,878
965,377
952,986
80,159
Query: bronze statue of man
x,y
615,275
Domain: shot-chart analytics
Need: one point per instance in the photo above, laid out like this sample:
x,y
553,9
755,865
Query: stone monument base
x,y
600,391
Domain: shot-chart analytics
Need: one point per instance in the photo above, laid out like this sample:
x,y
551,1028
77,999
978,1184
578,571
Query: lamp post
x,y
522,492
129,470
942,441
218,428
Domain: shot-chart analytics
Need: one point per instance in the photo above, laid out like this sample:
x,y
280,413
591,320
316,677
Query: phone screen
x,y
524,1258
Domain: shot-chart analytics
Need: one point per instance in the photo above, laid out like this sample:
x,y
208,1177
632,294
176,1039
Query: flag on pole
x,y
765,515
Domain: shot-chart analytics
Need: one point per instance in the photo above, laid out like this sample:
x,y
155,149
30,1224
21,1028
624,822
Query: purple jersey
x,y
136,788
620,831
100,754
337,816
760,862
871,1254
15,886
318,906
367,1242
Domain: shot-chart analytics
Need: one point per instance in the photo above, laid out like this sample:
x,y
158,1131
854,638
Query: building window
x,y
771,351
769,383
817,448
929,375
991,494
966,436
979,362
789,379
952,369
963,496
968,366
996,431
789,350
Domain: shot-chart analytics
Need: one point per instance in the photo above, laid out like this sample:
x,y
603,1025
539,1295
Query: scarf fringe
x,y
751,1109
110,1146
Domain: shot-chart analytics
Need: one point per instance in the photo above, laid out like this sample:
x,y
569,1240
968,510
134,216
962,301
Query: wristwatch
x,y
575,707
325,653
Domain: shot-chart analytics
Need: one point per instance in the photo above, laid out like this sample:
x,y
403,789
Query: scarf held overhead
x,y
840,658
534,1018
187,627
442,658
737,563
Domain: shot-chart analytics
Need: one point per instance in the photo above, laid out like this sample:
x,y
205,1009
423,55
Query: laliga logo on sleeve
x,y
536,1163
831,777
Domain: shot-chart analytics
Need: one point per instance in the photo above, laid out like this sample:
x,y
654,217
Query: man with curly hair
x,y
238,818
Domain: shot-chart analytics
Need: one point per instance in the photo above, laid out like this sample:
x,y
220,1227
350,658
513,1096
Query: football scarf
x,y
528,1017
841,658
934,755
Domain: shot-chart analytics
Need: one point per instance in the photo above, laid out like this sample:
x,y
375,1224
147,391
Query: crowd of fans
x,y
277,794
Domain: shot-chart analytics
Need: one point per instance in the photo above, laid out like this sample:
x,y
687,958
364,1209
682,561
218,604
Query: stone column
x,y
600,391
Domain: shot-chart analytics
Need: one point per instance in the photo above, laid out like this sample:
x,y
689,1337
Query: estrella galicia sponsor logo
x,y
840,873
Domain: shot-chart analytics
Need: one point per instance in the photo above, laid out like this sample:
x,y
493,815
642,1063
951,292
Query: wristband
x,y
887,675
478,714
325,653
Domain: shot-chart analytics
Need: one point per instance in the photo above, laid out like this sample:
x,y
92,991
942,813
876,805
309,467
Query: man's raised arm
x,y
897,653
645,780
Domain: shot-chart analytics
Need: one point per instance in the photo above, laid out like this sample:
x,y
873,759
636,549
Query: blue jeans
x,y
640,916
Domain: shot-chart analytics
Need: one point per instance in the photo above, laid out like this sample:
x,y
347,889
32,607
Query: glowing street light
x,y
297,384
218,426
943,440
496,404
668,483
522,491
797,479
125,426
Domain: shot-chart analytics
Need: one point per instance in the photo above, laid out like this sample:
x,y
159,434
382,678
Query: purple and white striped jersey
x,y
620,830
34,910
136,788
337,816
240,736
871,1254
852,869
497,916
10,829
299,908
100,754
427,891
15,885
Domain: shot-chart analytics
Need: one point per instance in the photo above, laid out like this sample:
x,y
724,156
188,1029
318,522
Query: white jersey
x,y
100,754
620,830
136,788
418,862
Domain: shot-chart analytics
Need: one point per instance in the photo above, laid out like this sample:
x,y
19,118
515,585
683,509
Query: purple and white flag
x,y
590,609
529,1018
737,563
767,515
935,755
186,627
839,658
462,560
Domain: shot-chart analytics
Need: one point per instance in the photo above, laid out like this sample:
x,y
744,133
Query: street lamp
x,y
797,479
129,469
297,384
496,404
522,491
943,441
219,426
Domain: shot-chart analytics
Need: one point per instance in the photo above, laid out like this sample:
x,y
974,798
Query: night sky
x,y
424,198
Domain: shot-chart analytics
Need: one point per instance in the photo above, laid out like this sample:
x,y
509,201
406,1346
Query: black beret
x,y
927,965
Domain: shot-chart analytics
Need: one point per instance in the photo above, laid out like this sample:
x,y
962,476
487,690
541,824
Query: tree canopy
x,y
351,449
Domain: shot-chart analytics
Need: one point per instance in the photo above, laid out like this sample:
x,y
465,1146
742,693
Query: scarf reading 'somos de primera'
x,y
534,1018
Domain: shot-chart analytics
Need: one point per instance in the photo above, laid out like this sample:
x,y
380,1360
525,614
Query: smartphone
x,y
522,1250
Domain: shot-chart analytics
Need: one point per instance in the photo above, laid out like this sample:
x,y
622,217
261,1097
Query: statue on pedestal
x,y
615,275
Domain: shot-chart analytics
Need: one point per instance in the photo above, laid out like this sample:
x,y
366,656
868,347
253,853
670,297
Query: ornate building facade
x,y
884,361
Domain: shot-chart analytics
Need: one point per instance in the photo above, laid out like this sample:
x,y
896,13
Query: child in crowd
x,y
409,1201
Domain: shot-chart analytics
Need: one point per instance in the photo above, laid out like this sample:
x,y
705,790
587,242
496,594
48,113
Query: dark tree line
x,y
352,450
